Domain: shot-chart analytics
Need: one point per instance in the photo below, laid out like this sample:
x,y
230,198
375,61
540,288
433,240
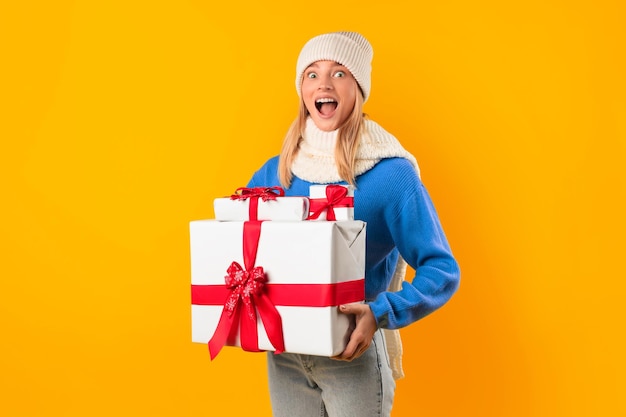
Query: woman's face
x,y
329,93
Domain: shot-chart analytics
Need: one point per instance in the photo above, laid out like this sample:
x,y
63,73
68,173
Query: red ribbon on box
x,y
264,193
336,196
289,295
245,291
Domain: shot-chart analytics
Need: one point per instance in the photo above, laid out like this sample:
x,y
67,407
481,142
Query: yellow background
x,y
122,120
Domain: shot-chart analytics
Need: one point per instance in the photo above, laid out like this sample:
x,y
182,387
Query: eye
x,y
311,75
340,74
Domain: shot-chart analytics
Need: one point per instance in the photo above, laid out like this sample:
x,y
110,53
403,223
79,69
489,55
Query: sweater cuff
x,y
381,314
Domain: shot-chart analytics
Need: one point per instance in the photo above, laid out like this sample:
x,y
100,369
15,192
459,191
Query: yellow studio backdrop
x,y
122,120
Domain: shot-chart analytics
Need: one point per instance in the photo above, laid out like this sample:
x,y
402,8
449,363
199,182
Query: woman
x,y
331,141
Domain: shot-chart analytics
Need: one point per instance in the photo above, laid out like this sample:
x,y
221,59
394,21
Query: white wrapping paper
x,y
281,209
290,253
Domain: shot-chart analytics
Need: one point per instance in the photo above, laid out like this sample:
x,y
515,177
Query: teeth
x,y
325,100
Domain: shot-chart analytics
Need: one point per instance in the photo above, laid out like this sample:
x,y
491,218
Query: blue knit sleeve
x,y
417,233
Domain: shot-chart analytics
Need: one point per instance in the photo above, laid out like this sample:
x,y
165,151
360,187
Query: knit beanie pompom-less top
x,y
349,49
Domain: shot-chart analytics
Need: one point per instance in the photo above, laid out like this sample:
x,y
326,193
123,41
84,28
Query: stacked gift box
x,y
268,273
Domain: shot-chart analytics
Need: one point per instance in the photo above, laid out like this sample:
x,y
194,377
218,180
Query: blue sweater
x,y
400,216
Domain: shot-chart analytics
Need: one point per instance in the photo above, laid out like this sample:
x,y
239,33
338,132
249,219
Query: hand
x,y
363,333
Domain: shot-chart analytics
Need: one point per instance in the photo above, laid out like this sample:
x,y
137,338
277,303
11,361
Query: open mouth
x,y
326,106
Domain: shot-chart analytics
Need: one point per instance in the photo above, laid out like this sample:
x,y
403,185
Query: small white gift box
x,y
331,202
264,203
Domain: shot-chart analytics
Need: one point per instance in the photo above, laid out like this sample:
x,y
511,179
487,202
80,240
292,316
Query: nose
x,y
325,82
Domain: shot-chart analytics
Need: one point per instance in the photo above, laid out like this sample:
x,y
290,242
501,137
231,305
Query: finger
x,y
360,351
349,351
354,308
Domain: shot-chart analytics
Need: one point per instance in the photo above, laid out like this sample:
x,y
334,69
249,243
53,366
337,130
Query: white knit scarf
x,y
315,162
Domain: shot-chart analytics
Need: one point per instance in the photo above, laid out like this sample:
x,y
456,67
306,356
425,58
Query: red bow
x,y
264,193
336,196
246,290
243,285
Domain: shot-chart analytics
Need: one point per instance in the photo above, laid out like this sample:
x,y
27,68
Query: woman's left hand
x,y
363,333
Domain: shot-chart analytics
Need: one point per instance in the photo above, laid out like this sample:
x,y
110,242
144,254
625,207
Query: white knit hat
x,y
349,49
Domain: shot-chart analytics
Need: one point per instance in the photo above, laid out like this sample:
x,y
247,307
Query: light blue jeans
x,y
317,386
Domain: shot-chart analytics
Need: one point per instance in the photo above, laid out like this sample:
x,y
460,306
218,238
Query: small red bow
x,y
264,193
336,196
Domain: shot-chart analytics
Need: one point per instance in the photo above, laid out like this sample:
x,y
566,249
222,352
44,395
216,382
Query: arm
x,y
412,224
420,239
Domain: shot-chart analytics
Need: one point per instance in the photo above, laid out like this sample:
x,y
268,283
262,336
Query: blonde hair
x,y
348,139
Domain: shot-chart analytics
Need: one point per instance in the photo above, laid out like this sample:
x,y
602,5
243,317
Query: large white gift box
x,y
334,197
307,263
